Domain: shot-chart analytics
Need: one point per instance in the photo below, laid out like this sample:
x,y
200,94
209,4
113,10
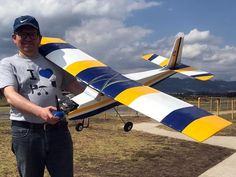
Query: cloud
x,y
59,15
105,35
112,9
197,36
204,51
98,27
92,22
194,50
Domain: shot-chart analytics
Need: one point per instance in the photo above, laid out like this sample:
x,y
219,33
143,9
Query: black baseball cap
x,y
25,20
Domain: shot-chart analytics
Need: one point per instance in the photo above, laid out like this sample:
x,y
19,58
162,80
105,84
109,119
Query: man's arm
x,y
21,103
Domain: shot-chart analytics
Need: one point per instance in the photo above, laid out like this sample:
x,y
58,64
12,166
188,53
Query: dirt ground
x,y
139,154
105,150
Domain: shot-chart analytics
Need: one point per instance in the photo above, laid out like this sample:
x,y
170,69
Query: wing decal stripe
x,y
185,69
194,73
180,118
205,127
129,95
153,57
106,80
157,105
202,75
146,57
204,78
47,40
80,66
50,47
156,59
164,63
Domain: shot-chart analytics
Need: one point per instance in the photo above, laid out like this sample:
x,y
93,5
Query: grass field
x,y
105,150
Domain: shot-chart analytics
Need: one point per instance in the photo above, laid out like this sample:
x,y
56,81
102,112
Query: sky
x,y
119,32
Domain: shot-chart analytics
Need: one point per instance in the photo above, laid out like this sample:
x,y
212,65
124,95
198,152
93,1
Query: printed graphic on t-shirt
x,y
44,73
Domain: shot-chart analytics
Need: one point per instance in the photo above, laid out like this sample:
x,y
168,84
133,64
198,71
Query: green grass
x,y
104,149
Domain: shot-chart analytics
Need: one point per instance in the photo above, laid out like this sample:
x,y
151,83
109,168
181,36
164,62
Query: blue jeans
x,y
34,149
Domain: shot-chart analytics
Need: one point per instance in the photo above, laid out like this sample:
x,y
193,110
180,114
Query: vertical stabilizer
x,y
176,53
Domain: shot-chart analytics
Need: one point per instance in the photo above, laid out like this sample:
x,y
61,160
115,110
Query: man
x,y
30,84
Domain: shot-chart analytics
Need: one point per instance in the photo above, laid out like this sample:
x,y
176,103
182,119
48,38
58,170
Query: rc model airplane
x,y
106,88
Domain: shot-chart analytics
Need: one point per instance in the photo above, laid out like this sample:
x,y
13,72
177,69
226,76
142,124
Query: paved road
x,y
226,168
4,116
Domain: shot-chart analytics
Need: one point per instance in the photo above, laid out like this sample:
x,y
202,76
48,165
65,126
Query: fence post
x,y
198,102
217,106
232,106
211,104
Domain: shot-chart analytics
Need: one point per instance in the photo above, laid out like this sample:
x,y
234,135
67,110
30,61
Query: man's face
x,y
27,41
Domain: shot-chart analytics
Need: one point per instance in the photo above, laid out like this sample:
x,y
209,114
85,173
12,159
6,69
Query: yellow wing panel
x,y
205,127
79,66
48,40
129,95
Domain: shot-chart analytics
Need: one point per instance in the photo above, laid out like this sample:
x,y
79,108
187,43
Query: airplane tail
x,y
174,63
176,53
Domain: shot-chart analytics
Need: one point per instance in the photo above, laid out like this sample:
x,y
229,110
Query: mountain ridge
x,y
192,86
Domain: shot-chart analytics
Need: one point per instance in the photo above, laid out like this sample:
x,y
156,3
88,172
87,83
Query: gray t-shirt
x,y
36,79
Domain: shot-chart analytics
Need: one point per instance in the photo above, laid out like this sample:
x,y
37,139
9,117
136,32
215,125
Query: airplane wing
x,y
179,115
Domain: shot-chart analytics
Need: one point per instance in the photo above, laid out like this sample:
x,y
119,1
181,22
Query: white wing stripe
x,y
195,72
157,105
65,57
158,60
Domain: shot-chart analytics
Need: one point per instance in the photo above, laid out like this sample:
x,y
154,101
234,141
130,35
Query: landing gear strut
x,y
127,125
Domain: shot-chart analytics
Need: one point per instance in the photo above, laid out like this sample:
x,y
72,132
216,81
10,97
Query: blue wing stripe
x,y
106,80
199,75
153,57
48,48
178,119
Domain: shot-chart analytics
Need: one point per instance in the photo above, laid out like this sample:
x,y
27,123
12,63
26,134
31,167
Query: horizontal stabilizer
x,y
157,59
180,68
193,72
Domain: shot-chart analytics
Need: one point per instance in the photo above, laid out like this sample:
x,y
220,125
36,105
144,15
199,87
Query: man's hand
x,y
46,114
21,103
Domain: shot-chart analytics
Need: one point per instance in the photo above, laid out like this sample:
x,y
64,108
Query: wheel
x,y
79,127
128,126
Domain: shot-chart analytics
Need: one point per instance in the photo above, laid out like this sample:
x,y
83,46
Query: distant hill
x,y
192,86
